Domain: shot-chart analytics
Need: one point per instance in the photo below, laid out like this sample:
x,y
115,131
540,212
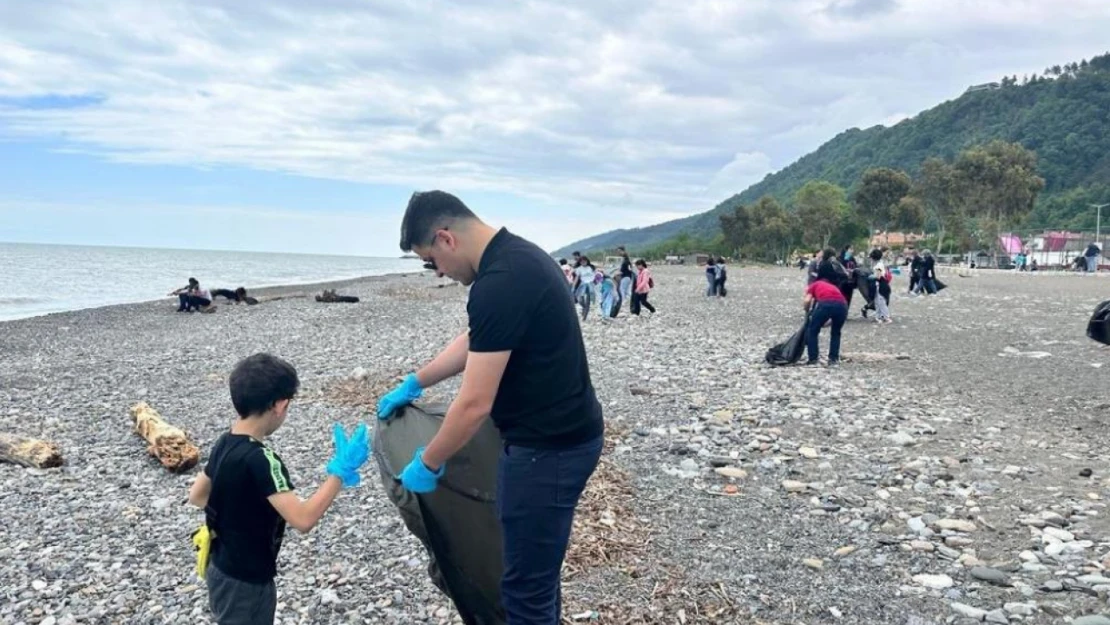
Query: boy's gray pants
x,y
881,309
235,602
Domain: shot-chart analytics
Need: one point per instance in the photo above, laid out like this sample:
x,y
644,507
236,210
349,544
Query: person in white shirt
x,y
881,276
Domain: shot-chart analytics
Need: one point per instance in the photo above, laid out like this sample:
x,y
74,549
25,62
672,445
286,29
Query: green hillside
x,y
1063,116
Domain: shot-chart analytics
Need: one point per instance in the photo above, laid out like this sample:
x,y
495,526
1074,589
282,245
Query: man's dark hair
x,y
427,212
260,381
876,254
193,281
576,253
828,253
562,261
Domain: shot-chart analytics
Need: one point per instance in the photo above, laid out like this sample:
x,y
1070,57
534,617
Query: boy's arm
x,y
199,491
304,515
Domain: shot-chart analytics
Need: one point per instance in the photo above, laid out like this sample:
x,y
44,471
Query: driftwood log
x,y
165,442
29,452
330,297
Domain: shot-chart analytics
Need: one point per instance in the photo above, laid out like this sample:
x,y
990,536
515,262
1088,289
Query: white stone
x,y
1054,549
969,611
38,584
1028,556
902,439
1020,609
958,525
1060,534
936,582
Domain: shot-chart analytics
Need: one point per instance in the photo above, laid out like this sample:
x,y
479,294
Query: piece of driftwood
x,y
330,297
165,442
29,452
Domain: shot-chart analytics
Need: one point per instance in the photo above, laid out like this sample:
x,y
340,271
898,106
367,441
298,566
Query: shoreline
x,y
264,291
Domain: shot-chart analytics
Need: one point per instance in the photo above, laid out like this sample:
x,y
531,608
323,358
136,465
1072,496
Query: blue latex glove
x,y
405,393
417,477
350,454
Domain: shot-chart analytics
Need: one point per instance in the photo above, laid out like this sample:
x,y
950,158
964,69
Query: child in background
x,y
644,284
881,277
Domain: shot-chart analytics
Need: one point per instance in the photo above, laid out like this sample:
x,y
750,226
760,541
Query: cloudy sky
x,y
304,126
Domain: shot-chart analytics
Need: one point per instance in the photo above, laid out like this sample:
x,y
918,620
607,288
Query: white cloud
x,y
642,106
741,172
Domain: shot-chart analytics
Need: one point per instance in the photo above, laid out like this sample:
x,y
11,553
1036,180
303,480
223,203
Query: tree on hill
x,y
879,192
820,207
936,188
998,183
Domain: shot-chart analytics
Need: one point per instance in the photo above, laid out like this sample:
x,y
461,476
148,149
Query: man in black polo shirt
x,y
526,368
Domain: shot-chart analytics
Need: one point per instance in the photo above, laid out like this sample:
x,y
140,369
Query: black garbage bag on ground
x,y
1098,328
940,285
789,351
458,521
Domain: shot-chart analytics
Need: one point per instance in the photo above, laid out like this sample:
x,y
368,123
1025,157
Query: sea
x,y
40,279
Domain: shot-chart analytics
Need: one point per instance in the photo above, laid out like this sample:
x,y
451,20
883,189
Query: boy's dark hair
x,y
241,292
427,212
876,254
562,261
828,253
260,381
193,281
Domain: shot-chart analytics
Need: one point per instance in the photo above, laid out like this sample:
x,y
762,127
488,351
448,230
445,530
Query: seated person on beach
x,y
248,498
192,297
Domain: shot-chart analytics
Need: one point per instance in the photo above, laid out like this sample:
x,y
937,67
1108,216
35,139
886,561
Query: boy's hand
x,y
417,477
350,454
405,393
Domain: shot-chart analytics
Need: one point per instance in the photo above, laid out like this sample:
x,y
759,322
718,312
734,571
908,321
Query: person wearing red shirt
x,y
825,303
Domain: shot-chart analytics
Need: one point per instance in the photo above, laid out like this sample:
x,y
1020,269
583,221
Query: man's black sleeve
x,y
499,308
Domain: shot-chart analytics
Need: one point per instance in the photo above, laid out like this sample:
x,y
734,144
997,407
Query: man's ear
x,y
281,406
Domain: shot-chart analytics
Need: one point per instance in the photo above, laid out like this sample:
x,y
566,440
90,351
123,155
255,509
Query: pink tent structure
x,y
1010,243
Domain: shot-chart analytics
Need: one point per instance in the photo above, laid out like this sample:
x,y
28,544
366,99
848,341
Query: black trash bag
x,y
863,283
1098,328
457,522
789,351
940,285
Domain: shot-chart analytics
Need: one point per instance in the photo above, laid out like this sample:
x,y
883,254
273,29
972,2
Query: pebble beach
x,y
951,470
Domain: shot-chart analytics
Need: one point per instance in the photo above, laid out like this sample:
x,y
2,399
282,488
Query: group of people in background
x,y
716,274
923,273
632,282
193,297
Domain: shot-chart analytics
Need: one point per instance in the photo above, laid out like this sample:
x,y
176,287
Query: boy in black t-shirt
x,y
248,497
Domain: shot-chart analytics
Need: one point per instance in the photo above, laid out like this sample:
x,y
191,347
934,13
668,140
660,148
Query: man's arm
x,y
449,363
473,404
304,515
199,491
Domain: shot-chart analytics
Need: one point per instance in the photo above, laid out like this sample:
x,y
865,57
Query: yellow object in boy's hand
x,y
202,543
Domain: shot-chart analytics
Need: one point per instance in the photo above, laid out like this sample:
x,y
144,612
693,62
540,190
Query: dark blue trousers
x,y
823,312
537,492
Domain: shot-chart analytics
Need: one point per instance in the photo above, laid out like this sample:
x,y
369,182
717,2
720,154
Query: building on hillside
x,y
895,239
696,258
988,86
